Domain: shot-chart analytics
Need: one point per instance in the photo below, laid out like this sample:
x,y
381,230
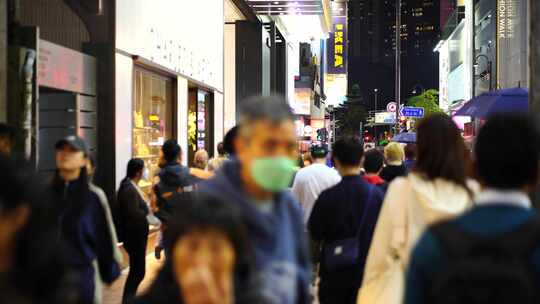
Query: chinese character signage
x,y
337,47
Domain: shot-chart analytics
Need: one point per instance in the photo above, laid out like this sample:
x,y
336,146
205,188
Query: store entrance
x,y
153,120
200,122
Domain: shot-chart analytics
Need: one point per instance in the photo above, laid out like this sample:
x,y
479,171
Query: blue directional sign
x,y
412,112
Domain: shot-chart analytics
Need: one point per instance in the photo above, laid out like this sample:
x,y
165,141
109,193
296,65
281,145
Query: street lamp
x,y
488,71
376,91
414,91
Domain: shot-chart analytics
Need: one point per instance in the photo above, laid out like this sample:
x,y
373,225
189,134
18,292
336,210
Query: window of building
x,y
153,119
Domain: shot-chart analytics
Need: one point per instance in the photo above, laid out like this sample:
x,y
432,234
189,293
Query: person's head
x,y
267,146
221,150
14,209
319,152
7,135
307,160
200,159
373,161
410,151
229,141
71,157
208,253
135,169
394,154
171,151
507,153
441,150
347,154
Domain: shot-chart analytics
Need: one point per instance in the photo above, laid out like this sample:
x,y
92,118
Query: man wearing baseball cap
x,y
81,220
311,181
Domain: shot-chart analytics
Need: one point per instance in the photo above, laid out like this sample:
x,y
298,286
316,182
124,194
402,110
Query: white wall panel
x,y
229,115
183,35
123,114
182,115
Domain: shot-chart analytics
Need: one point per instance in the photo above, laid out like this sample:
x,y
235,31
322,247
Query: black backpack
x,y
170,199
486,270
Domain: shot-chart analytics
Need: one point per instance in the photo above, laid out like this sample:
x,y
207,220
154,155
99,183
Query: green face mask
x,y
273,174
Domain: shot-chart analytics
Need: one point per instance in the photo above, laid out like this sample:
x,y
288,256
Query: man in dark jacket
x,y
32,268
256,182
82,225
174,189
133,209
348,210
175,181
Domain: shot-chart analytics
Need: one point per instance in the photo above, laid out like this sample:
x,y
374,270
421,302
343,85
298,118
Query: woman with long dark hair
x,y
132,211
436,189
209,257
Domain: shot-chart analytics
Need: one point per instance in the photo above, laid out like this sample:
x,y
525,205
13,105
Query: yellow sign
x,y
338,45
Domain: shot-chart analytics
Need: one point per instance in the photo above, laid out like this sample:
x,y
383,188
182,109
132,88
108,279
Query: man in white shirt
x,y
311,181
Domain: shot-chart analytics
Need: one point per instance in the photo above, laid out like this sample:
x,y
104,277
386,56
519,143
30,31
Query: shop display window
x,y
200,122
152,120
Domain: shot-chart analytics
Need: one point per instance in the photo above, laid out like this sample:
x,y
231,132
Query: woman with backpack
x,y
133,210
437,188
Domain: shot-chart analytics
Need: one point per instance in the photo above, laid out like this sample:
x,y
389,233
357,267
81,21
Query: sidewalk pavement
x,y
113,294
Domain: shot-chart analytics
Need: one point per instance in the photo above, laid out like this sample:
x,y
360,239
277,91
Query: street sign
x,y
385,118
308,130
412,112
391,107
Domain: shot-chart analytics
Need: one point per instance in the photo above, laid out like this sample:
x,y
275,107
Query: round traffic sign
x,y
391,107
308,130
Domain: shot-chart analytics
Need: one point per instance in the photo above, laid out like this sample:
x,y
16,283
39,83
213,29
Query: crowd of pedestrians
x,y
430,222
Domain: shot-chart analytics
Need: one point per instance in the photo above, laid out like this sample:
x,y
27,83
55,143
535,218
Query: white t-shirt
x,y
310,182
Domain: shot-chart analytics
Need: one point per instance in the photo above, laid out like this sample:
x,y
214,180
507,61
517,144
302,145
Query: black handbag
x,y
345,253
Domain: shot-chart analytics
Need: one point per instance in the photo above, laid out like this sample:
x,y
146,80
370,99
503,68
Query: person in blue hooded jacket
x,y
256,181
81,221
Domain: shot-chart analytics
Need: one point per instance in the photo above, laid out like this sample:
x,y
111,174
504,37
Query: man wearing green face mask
x,y
256,182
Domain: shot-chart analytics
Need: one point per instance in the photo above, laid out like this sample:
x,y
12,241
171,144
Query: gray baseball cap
x,y
73,141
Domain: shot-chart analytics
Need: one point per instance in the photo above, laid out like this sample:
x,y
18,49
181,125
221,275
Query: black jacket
x,y
175,187
82,227
132,211
389,173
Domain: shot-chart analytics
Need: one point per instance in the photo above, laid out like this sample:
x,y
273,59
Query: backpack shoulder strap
x,y
454,240
457,242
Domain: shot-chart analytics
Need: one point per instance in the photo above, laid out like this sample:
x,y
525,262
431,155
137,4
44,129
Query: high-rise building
x,y
447,8
372,26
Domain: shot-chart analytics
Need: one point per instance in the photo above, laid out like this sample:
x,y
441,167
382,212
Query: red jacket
x,y
374,180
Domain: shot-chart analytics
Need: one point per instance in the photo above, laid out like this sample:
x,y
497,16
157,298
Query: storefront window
x,y
200,122
152,119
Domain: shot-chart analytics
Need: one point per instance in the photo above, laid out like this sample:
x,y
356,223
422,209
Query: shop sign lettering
x,y
337,47
507,12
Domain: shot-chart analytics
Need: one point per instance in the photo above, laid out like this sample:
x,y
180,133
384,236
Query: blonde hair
x,y
200,159
394,152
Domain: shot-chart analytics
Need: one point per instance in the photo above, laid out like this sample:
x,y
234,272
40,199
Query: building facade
x,y
484,47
